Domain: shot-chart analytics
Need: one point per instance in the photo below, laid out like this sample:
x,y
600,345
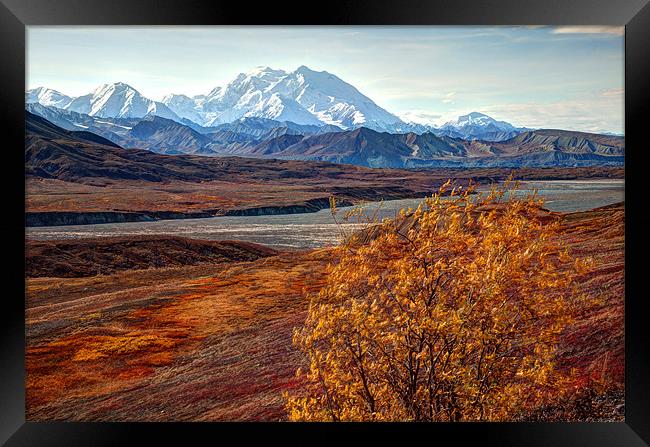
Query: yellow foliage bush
x,y
450,313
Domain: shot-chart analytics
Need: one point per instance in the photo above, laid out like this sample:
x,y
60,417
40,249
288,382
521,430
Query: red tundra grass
x,y
213,342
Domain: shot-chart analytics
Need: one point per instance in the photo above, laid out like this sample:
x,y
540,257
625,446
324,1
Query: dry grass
x,y
214,342
242,190
132,345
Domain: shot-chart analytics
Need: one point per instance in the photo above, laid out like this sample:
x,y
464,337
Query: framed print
x,y
424,219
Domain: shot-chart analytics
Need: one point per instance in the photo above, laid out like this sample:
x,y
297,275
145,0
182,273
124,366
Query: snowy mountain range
x,y
304,97
478,126
253,137
116,100
47,97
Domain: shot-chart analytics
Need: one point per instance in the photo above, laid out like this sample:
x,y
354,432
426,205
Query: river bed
x,y
312,230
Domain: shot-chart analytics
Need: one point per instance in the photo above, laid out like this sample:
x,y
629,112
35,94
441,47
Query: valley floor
x,y
244,190
212,342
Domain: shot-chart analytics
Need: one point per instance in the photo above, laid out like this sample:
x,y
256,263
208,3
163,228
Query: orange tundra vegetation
x,y
452,312
213,341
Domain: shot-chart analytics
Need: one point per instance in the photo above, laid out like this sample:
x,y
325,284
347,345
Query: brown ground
x,y
595,345
243,188
214,342
72,258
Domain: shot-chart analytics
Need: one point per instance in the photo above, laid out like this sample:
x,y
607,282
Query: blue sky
x,y
560,77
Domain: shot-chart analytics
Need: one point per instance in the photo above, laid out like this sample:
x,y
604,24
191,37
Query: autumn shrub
x,y
451,312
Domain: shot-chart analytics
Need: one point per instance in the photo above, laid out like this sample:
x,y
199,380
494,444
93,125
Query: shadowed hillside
x,y
89,257
362,146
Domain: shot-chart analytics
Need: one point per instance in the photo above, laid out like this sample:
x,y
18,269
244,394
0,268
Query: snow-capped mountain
x,y
332,100
478,126
47,97
184,106
118,100
477,119
303,96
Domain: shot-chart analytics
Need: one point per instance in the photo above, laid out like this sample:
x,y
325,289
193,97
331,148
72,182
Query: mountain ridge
x,y
366,147
303,96
264,138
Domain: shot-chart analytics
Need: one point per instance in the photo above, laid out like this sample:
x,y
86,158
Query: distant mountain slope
x,y
151,132
303,96
477,126
262,128
256,137
258,105
53,152
47,97
566,141
166,137
366,147
552,144
60,117
40,128
117,100
110,128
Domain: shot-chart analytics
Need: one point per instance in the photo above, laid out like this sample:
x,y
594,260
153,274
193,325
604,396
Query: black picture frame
x,y
15,15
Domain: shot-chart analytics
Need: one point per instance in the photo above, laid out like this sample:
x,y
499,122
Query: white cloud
x,y
613,92
590,114
616,30
447,98
420,117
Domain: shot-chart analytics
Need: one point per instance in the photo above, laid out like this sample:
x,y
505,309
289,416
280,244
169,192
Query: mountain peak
x,y
115,87
122,86
305,69
118,100
308,73
304,96
174,96
47,97
473,116
40,91
263,70
478,125
364,132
